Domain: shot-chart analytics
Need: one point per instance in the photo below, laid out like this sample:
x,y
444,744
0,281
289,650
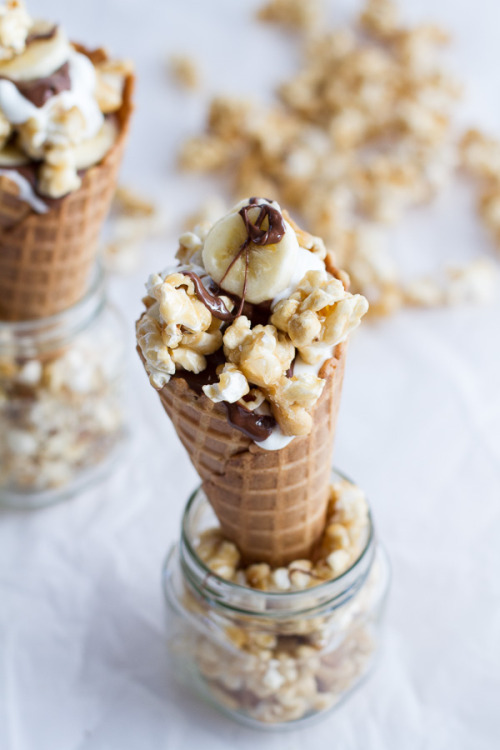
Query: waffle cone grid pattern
x,y
272,504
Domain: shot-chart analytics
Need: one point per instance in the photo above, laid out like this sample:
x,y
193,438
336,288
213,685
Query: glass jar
x,y
271,659
61,400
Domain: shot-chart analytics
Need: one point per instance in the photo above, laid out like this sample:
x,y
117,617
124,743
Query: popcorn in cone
x,y
54,198
252,383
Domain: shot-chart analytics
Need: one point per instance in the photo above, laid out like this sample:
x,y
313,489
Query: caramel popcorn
x,y
232,385
380,18
294,13
58,175
184,71
292,400
261,353
133,219
176,329
15,24
361,134
110,80
345,532
480,157
318,314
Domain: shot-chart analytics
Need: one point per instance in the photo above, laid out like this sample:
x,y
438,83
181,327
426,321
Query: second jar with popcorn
x,y
61,400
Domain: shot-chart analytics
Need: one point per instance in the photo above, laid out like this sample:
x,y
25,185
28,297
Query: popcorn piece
x,y
185,71
258,575
176,329
319,314
232,386
292,13
380,18
110,80
58,175
338,561
299,572
187,359
159,362
261,353
179,304
133,219
480,155
15,24
292,401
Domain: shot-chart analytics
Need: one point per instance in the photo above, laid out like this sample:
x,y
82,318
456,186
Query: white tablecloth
x,y
82,620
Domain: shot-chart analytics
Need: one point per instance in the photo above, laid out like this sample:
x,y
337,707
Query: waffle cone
x,y
45,259
271,504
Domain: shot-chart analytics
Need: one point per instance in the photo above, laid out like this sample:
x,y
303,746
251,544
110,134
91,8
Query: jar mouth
x,y
233,596
42,333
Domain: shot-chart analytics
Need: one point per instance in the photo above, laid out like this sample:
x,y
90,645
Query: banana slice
x,y
91,152
39,60
270,267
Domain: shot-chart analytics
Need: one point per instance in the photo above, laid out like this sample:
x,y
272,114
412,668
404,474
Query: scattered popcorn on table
x,y
133,219
184,71
362,132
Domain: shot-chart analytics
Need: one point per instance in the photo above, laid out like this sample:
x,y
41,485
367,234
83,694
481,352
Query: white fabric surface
x,y
82,619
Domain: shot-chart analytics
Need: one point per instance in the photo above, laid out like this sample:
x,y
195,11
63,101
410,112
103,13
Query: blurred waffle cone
x,y
45,259
271,504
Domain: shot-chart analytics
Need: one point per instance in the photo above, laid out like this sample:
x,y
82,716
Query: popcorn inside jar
x,y
61,401
273,645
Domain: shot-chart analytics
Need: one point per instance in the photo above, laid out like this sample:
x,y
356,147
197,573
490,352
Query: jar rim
x,y
330,593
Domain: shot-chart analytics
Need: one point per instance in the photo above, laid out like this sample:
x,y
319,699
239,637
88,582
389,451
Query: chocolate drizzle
x,y
211,301
256,235
40,90
257,427
257,314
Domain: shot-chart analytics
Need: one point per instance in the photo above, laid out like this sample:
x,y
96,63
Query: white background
x,y
82,620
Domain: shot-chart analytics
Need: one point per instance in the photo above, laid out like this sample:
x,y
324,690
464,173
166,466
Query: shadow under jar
x,y
271,660
61,400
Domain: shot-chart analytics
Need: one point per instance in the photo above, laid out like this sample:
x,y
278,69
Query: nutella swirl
x,y
41,90
257,427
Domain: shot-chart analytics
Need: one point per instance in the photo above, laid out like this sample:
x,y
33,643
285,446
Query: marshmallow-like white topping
x,y
26,192
17,109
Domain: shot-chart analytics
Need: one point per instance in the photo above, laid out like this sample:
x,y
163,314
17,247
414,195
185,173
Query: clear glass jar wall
x,y
271,659
61,400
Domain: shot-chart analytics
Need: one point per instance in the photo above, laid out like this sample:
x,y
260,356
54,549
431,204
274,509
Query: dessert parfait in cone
x,y
245,341
64,116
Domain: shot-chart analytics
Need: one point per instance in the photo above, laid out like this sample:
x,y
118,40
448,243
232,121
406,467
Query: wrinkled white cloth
x,y
82,618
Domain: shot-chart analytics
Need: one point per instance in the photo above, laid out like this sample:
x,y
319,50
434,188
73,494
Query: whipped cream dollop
x,y
258,342
53,102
